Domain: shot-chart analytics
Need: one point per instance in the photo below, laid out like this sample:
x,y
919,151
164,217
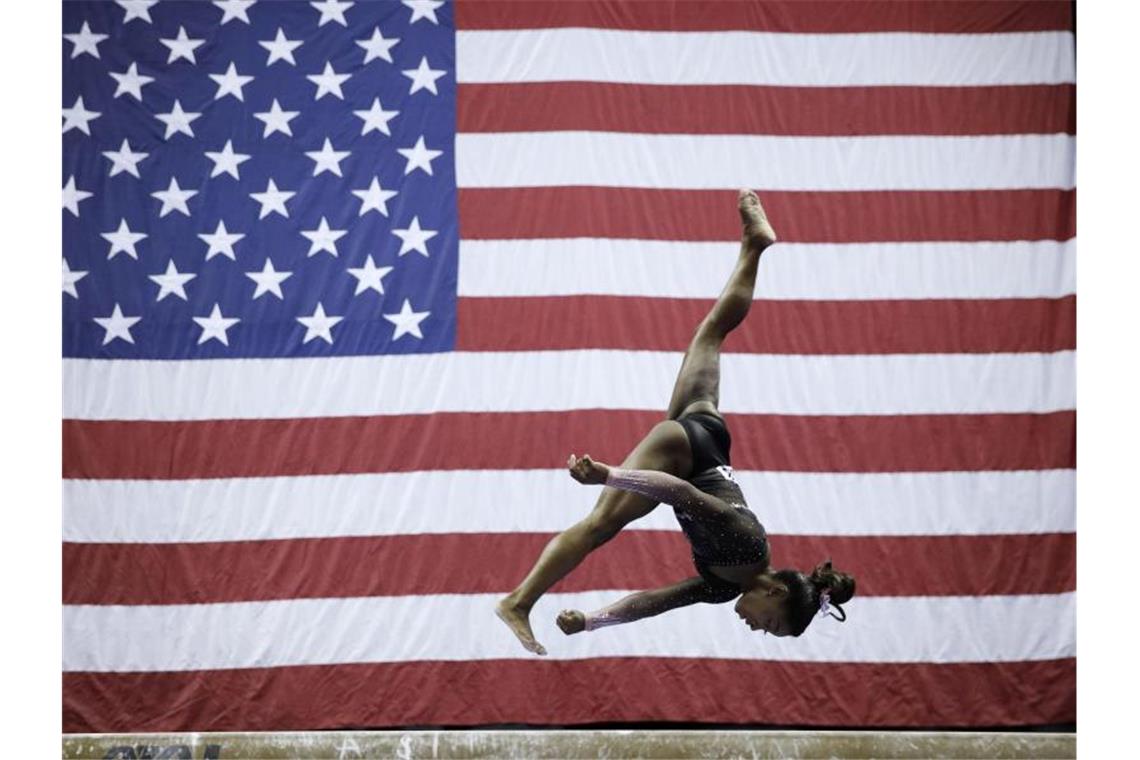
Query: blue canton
x,y
280,188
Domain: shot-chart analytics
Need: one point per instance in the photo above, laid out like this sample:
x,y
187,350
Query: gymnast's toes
x,y
758,231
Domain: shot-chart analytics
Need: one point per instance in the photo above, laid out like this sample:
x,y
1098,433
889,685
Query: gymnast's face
x,y
762,609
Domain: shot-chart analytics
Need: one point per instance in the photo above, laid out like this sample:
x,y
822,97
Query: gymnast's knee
x,y
713,329
728,313
600,528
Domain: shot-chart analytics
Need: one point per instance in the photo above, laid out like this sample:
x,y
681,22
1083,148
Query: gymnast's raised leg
x,y
666,447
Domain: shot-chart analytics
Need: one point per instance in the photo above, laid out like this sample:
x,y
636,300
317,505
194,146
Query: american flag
x,y
345,282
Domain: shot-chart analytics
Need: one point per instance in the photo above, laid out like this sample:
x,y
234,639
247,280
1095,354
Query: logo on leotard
x,y
726,472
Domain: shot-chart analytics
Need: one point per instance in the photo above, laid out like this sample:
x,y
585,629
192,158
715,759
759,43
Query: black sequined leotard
x,y
743,540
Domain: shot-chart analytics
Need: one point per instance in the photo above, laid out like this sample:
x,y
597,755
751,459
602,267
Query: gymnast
x,y
684,462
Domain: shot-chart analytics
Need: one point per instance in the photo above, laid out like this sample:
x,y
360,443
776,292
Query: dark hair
x,y
802,602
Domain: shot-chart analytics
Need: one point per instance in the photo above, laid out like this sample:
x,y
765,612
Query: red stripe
x,y
730,109
802,217
524,440
239,571
802,17
546,692
773,327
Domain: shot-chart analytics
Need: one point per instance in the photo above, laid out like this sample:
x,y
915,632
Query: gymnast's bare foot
x,y
758,233
518,620
571,621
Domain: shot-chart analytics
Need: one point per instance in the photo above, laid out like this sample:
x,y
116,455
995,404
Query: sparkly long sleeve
x,y
659,486
636,606
645,604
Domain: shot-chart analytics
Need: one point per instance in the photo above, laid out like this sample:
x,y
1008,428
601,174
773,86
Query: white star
x,y
423,9
70,277
174,198
423,77
328,82
378,47
268,280
327,159
124,160
407,322
226,161
332,10
374,198
221,241
177,120
234,9
123,240
117,326
369,276
280,48
272,200
77,117
376,118
419,156
130,81
230,83
276,120
182,46
414,238
323,238
139,9
215,326
171,282
319,325
85,41
72,196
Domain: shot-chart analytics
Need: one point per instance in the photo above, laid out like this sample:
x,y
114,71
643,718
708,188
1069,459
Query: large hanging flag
x,y
344,283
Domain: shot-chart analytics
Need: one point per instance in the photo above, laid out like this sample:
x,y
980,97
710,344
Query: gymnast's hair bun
x,y
842,585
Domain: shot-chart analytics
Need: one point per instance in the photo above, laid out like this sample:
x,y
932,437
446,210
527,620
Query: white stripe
x,y
656,268
463,627
562,380
764,58
717,162
548,501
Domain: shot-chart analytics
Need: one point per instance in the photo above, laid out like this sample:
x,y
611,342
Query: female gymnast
x,y
684,462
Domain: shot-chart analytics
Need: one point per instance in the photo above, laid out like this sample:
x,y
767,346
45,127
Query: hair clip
x,y
824,602
825,607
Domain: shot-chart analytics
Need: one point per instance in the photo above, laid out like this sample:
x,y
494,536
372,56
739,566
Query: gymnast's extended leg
x,y
697,388
665,448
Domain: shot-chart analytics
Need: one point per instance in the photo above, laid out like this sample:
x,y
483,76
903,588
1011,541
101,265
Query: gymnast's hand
x,y
571,621
587,471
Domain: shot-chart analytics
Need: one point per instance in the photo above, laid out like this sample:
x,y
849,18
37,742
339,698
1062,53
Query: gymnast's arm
x,y
640,605
659,486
